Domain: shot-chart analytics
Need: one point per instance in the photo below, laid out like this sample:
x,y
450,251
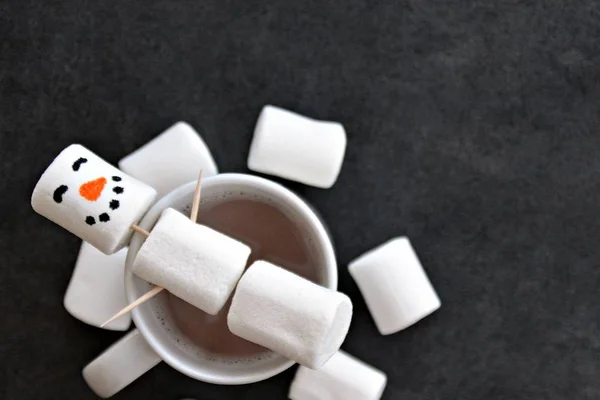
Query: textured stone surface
x,y
472,129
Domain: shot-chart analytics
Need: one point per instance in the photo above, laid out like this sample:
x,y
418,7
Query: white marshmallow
x,y
343,377
289,314
192,261
298,148
92,199
394,285
171,159
96,291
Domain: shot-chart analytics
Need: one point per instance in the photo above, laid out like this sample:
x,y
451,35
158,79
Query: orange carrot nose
x,y
93,189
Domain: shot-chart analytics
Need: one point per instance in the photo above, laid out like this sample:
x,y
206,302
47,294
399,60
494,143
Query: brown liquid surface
x,y
272,237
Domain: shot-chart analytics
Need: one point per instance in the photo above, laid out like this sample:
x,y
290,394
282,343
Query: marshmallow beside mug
x,y
394,285
298,148
192,261
119,365
96,290
289,314
171,159
343,377
91,199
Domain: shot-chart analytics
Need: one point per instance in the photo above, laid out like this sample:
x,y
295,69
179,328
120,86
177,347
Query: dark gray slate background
x,y
473,128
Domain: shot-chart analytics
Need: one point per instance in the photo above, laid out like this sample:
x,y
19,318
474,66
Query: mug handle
x,y
120,364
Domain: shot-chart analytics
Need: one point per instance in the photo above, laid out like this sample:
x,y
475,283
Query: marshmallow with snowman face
x,y
91,199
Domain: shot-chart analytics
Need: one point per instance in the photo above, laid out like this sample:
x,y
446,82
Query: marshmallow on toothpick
x,y
92,199
343,377
171,159
394,285
289,314
192,261
298,148
97,289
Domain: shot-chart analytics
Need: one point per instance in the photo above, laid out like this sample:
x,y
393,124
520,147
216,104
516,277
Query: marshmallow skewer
x,y
156,290
288,314
92,199
192,261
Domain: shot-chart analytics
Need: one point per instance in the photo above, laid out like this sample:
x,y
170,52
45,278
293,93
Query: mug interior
x,y
153,319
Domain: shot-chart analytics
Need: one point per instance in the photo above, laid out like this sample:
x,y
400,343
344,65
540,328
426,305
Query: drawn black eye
x,y
58,193
78,163
116,178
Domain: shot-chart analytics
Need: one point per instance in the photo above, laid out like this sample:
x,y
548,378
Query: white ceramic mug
x,y
155,338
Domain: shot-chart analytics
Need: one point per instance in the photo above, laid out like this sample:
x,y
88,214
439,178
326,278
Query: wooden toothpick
x,y
140,230
157,289
196,201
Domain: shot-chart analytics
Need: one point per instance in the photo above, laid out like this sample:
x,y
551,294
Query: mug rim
x,y
322,240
